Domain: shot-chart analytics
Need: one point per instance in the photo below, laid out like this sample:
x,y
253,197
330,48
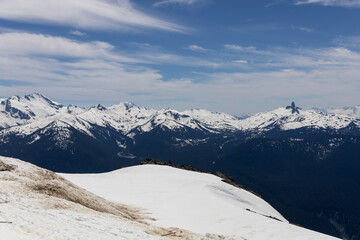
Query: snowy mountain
x,y
285,120
25,115
36,203
23,110
34,127
124,117
353,111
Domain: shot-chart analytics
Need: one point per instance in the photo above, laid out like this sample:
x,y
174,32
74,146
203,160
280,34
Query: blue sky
x,y
234,56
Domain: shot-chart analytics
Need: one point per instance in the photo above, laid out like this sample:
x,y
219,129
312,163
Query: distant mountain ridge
x,y
34,122
17,111
26,114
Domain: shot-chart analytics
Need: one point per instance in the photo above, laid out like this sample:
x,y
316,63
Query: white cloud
x,y
336,57
99,80
162,58
340,3
77,33
240,48
196,48
240,61
83,14
277,57
181,2
64,68
305,29
26,44
350,41
153,54
247,49
96,71
330,86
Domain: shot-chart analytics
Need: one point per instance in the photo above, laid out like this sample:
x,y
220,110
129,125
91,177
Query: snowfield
x,y
38,204
194,201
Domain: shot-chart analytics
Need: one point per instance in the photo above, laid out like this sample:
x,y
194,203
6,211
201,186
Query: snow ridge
x,y
198,202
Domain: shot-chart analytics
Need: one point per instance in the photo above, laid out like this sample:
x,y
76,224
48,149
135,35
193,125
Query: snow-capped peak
x,y
21,110
37,97
128,104
99,107
123,106
286,119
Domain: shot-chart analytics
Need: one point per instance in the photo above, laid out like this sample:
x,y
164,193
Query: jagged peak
x,y
35,95
31,97
99,107
128,104
294,108
170,110
205,111
124,105
15,97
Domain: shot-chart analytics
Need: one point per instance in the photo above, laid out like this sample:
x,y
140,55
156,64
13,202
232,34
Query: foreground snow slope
x,y
38,204
198,202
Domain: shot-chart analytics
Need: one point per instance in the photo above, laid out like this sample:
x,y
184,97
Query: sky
x,y
233,56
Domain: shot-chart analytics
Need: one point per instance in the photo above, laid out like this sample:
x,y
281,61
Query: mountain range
x,y
303,162
27,114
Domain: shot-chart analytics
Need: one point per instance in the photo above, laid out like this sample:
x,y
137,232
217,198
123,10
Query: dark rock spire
x,y
294,108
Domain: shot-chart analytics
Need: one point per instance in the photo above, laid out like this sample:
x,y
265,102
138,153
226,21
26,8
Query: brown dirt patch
x,y
6,167
79,196
178,234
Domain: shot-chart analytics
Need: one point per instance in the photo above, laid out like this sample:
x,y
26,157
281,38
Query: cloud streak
x,y
196,48
27,44
349,41
84,14
65,68
77,33
339,3
180,2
